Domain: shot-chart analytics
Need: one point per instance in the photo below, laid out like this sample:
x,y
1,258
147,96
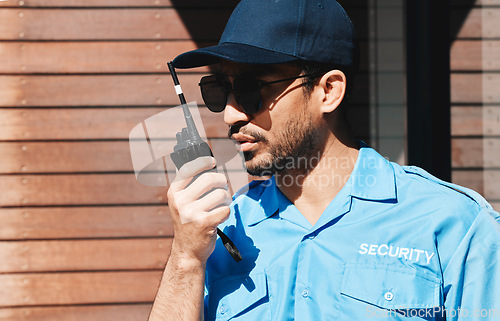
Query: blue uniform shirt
x,y
394,244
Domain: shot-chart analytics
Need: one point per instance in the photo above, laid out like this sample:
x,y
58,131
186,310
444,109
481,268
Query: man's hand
x,y
198,201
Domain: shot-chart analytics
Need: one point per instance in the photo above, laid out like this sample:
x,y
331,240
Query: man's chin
x,y
255,167
259,172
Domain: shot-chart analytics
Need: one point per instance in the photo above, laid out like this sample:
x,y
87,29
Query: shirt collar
x,y
373,176
259,200
371,179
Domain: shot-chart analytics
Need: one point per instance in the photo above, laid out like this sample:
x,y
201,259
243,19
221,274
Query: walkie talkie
x,y
189,147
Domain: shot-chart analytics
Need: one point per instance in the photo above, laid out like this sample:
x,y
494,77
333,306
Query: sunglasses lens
x,y
247,94
214,92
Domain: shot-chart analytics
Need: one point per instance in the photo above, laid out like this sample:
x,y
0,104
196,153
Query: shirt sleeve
x,y
472,277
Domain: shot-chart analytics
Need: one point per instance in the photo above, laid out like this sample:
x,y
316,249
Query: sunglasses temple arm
x,y
193,132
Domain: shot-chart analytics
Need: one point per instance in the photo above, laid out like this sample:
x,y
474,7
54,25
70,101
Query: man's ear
x,y
333,84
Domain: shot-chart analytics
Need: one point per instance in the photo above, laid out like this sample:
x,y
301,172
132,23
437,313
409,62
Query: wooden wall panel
x,y
475,179
78,288
87,123
121,23
83,156
102,24
117,90
66,189
93,255
115,3
474,55
81,239
476,152
475,88
476,2
475,124
92,57
480,22
64,157
475,120
122,312
95,90
84,222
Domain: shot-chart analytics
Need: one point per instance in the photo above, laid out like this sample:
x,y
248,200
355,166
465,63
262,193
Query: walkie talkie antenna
x,y
189,147
191,127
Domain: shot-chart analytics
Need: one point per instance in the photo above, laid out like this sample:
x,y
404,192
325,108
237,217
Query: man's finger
x,y
219,215
214,199
189,170
205,183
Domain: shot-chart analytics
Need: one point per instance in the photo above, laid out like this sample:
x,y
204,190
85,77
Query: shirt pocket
x,y
390,293
239,297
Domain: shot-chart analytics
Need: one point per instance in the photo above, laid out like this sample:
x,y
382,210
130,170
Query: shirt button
x,y
305,293
222,309
389,296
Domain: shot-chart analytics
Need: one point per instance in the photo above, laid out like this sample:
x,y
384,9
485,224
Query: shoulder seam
x,y
430,177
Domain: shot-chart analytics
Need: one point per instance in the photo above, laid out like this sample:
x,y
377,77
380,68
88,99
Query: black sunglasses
x,y
215,90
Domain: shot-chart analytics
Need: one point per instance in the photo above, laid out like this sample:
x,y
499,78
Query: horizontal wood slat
x,y
130,23
486,183
122,312
104,24
481,23
93,57
84,255
474,2
81,157
91,189
95,90
88,123
25,57
476,152
475,88
85,222
60,157
46,190
78,288
132,90
111,123
475,121
116,3
475,55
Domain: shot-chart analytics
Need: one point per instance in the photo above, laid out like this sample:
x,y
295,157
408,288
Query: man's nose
x,y
234,114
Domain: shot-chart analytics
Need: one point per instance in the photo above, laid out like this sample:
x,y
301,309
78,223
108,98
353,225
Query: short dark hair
x,y
316,68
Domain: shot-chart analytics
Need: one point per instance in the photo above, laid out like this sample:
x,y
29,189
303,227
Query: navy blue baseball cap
x,y
280,31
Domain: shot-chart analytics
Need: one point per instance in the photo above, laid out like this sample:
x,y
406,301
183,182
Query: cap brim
x,y
235,52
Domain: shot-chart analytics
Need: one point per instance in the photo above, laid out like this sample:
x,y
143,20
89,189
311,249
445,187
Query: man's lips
x,y
245,142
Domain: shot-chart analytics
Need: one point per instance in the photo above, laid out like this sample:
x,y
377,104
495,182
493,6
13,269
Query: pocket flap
x,y
236,294
392,288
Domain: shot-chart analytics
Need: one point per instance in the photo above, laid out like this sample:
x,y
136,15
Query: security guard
x,y
338,232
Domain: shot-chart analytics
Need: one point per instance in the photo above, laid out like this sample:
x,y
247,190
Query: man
x,y
338,232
